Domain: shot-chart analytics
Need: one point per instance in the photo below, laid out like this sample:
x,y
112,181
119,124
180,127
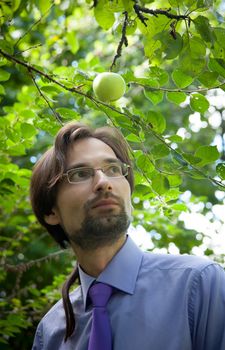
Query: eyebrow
x,y
83,164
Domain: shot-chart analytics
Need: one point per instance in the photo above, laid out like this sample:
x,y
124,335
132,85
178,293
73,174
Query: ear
x,y
53,218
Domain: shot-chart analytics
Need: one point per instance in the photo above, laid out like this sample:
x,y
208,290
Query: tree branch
x,y
138,10
25,266
123,40
186,91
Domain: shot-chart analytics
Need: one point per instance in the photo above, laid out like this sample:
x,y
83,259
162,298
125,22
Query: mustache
x,y
91,203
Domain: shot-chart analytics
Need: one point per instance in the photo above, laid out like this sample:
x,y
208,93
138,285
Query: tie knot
x,y
100,294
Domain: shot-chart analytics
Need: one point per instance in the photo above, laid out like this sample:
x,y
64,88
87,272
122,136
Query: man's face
x,y
94,212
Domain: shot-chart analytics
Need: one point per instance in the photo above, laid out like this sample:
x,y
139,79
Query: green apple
x,y
109,86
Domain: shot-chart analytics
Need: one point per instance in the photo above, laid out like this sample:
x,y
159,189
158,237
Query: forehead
x,y
89,151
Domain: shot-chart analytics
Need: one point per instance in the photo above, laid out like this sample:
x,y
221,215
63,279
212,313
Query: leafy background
x,y
172,57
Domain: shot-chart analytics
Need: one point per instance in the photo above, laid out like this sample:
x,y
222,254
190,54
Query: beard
x,y
99,231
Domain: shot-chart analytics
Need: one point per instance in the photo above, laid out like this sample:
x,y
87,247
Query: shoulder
x,y
198,267
185,272
51,329
169,261
56,312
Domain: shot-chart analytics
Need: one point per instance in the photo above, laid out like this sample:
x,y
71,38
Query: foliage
x,y
172,57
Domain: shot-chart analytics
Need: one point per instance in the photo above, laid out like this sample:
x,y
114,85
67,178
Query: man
x,y
81,192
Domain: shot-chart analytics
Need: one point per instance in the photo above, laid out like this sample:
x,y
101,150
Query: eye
x,y
114,170
80,174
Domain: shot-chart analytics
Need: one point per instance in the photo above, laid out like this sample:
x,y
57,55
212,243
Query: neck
x,y
93,262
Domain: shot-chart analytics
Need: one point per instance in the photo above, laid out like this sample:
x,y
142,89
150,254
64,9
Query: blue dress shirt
x,y
163,302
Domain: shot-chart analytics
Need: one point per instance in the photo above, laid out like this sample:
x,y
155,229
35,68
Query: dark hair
x,y
48,172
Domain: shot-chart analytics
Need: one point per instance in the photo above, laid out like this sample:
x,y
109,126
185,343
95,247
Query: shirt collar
x,y
121,272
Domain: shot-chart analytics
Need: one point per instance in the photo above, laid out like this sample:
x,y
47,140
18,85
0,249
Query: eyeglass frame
x,y
127,167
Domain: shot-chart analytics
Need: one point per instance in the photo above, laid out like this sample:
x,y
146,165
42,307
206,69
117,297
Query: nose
x,y
101,182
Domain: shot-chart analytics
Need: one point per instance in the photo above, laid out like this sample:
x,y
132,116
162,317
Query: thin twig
x,y
57,115
30,48
34,24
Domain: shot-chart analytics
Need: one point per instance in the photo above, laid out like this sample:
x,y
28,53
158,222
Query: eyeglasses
x,y
83,174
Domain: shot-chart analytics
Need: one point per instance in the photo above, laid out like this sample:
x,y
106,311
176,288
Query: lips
x,y
105,203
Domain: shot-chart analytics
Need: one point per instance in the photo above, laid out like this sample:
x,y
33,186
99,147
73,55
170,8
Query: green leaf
x,y
156,121
203,27
204,3
3,61
28,130
208,79
197,48
131,27
192,58
6,46
103,15
159,151
172,194
199,103
65,72
159,74
157,25
175,138
176,97
144,163
143,191
128,6
152,81
2,90
220,169
178,158
169,46
181,79
179,207
154,96
220,36
67,113
4,75
133,138
208,154
15,4
196,174
174,180
160,184
28,114
51,89
15,149
72,42
174,3
217,65
44,5
190,158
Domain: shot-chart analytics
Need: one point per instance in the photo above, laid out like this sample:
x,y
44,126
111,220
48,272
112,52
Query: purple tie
x,y
100,337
